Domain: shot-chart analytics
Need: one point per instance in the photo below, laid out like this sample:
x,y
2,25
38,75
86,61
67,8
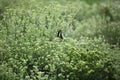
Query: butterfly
x,y
59,34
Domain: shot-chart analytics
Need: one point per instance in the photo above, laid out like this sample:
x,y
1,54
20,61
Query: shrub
x,y
110,30
66,59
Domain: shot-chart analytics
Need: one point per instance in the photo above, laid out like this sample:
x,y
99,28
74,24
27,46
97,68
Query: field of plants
x,y
31,50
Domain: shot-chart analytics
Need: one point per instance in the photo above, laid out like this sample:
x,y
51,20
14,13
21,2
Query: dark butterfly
x,y
60,34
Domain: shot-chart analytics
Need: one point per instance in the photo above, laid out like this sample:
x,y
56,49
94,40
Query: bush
x,y
67,59
110,28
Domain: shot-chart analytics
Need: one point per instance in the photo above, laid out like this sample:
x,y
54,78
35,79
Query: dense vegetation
x,y
31,50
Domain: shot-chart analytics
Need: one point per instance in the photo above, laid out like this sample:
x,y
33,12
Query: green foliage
x,y
67,59
111,27
30,49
